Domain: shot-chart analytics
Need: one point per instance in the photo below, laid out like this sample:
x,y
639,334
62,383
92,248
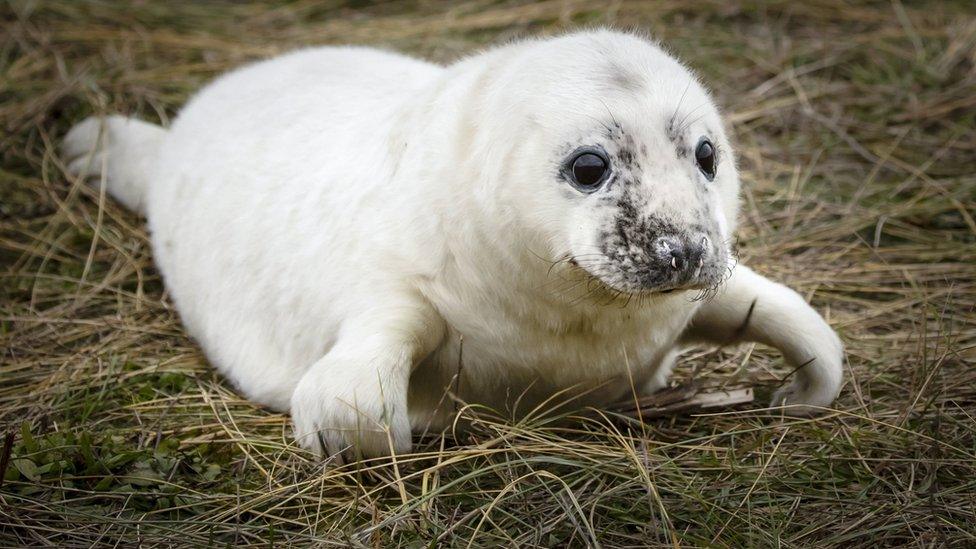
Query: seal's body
x,y
351,233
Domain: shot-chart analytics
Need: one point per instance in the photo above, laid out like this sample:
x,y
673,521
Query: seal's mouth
x,y
635,284
685,288
667,260
675,289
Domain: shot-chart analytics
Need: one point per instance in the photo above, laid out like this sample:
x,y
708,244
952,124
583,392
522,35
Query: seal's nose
x,y
682,256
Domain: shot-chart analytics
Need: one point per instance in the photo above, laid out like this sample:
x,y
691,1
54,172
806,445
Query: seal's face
x,y
640,188
646,222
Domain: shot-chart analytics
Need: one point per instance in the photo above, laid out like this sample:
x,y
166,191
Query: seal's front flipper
x,y
352,402
750,307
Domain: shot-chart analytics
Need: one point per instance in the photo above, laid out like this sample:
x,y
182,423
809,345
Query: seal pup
x,y
336,226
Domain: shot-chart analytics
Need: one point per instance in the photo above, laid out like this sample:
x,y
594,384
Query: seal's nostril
x,y
677,259
696,253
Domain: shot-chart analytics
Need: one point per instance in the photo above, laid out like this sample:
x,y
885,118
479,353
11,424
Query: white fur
x,y
337,226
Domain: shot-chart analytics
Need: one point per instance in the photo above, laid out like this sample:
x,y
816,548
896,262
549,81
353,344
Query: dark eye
x,y
705,158
588,169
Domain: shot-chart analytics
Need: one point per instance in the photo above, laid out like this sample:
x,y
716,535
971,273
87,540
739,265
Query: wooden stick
x,y
683,399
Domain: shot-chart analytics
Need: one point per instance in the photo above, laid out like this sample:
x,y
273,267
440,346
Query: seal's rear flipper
x,y
118,150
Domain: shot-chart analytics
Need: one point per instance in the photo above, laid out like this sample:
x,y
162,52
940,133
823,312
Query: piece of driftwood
x,y
683,399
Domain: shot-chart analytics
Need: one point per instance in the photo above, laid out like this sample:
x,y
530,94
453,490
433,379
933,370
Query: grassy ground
x,y
856,132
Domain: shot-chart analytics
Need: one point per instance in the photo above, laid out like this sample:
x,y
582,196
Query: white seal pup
x,y
337,226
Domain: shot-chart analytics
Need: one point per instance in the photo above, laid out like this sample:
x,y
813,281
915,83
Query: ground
x,y
855,125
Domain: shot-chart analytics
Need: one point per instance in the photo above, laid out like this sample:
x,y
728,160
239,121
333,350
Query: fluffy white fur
x,y
337,225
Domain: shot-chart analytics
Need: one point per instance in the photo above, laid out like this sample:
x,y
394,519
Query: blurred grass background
x,y
855,125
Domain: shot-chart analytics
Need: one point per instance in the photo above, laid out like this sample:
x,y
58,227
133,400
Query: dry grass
x,y
856,129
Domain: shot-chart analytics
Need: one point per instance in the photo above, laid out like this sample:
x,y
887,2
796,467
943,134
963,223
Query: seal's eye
x,y
588,169
705,158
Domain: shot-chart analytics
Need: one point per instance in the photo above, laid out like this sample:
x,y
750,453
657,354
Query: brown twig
x,y
683,399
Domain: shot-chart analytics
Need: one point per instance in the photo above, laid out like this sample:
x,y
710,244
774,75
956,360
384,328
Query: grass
x,y
855,126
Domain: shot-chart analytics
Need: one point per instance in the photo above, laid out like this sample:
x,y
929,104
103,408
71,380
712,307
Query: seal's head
x,y
621,165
